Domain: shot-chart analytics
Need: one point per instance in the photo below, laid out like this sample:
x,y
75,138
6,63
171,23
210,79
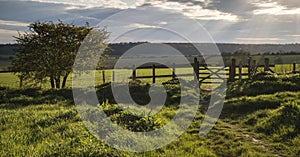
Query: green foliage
x,y
246,104
283,123
139,123
263,83
48,50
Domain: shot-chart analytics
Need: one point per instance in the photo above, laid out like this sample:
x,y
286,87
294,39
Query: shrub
x,y
263,83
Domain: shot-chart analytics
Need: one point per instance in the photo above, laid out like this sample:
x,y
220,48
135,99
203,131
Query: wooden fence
x,y
203,72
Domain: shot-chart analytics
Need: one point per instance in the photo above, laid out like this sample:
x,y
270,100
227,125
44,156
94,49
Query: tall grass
x,y
39,122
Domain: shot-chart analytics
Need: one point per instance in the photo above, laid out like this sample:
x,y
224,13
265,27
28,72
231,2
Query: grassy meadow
x,y
260,118
10,80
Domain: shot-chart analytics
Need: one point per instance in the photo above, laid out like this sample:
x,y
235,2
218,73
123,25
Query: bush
x,y
131,122
263,83
283,124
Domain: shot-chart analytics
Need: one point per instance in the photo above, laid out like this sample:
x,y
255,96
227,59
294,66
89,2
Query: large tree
x,y
48,50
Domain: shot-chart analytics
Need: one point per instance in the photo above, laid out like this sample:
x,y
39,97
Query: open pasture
x,y
8,79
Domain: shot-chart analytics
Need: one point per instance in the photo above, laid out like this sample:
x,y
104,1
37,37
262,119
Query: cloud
x,y
27,12
291,4
6,36
259,39
294,35
140,25
13,23
169,26
241,8
225,20
274,8
89,3
193,9
16,15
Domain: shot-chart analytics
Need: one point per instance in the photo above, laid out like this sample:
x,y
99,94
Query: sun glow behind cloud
x,y
188,8
227,21
196,11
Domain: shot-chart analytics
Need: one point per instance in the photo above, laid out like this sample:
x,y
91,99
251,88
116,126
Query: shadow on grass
x,y
139,93
17,98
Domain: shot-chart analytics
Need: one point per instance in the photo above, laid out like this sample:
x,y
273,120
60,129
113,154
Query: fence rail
x,y
201,72
204,73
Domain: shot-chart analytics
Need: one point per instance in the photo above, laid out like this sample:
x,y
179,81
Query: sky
x,y
220,21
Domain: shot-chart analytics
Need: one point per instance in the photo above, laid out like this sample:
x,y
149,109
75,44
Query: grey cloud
x,y
241,8
10,27
25,11
193,2
290,4
264,26
28,12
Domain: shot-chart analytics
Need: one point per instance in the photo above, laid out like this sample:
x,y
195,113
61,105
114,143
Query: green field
x,y
11,80
260,118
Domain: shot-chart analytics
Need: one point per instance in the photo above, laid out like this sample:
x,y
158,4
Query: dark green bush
x,y
284,124
131,122
263,83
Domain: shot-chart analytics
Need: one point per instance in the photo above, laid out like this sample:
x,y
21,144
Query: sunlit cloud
x,y
187,8
260,39
226,21
9,31
274,8
140,25
6,36
294,35
13,23
93,3
194,11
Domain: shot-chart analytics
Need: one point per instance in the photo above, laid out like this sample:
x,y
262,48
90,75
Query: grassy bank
x,y
44,122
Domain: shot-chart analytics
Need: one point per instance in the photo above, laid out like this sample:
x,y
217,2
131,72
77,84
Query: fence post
x,y
254,63
249,67
267,61
21,82
133,73
232,70
113,76
294,68
103,76
173,71
153,73
196,69
240,70
254,68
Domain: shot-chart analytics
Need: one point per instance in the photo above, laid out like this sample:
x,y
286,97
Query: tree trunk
x,y
64,81
52,82
57,83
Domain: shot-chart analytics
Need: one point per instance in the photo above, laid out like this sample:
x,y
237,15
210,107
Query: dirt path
x,y
253,139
